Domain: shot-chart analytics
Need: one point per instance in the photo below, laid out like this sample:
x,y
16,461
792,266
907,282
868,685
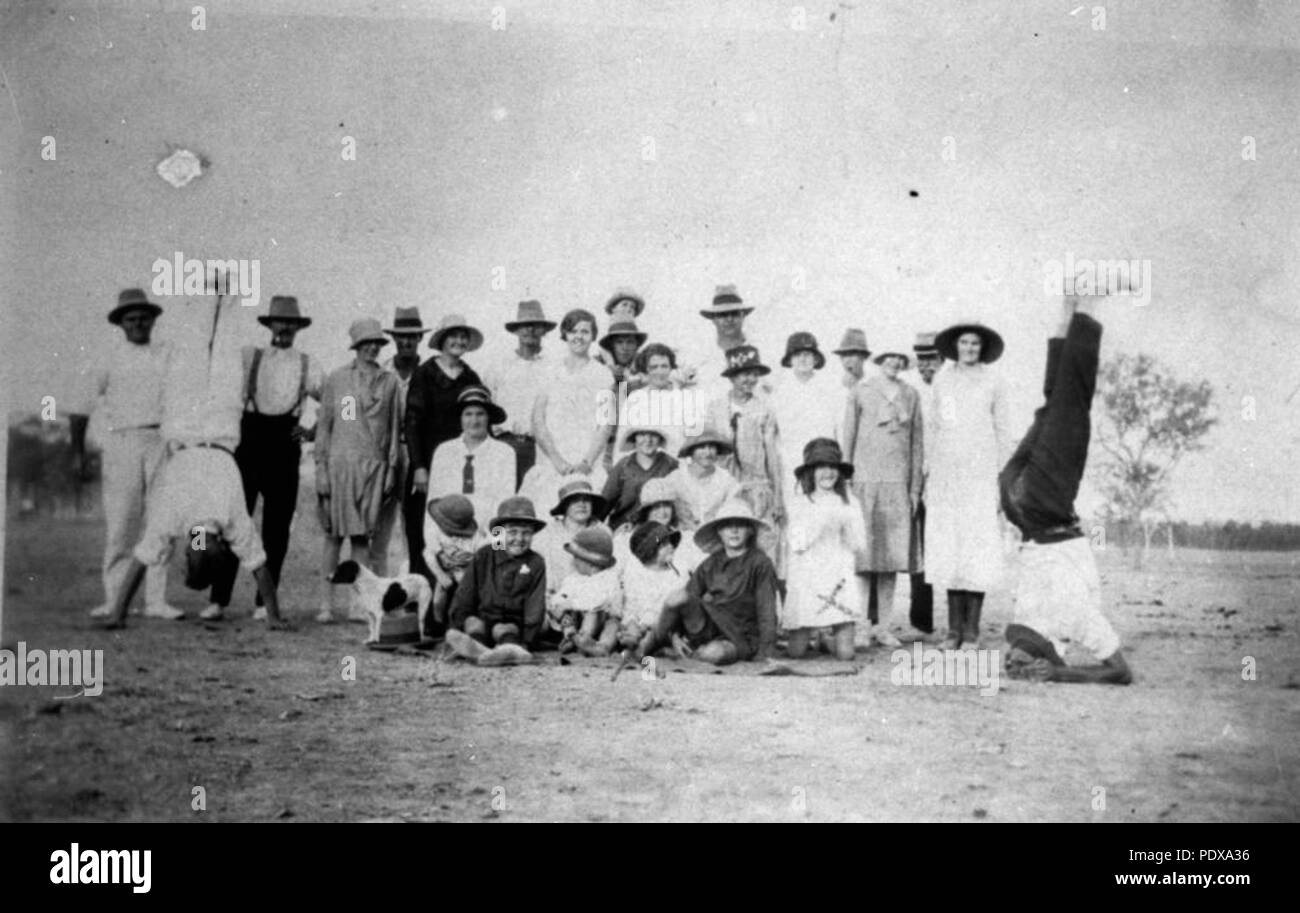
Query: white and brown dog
x,y
379,596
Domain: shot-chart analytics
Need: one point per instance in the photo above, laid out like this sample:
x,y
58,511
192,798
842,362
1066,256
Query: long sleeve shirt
x,y
501,589
624,483
739,595
126,383
431,413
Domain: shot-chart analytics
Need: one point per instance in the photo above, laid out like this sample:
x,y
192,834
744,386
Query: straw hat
x,y
735,510
132,299
594,545
653,492
455,322
924,344
907,359
990,351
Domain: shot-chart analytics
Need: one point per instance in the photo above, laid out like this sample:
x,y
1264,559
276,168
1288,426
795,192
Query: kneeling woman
x,y
826,533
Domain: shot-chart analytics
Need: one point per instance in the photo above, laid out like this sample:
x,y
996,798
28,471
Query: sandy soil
x,y
267,726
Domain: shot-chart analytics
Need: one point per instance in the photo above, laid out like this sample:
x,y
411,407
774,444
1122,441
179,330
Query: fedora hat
x,y
529,313
454,515
627,440
517,510
707,436
594,545
854,341
726,300
822,451
622,295
655,491
990,351
455,322
647,539
736,510
924,344
407,322
132,299
803,342
284,307
580,488
366,329
622,328
477,395
907,359
744,358
396,629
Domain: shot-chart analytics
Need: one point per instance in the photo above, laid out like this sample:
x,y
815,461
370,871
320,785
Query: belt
x,y
207,445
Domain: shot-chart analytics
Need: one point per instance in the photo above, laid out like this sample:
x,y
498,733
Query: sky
x,y
896,166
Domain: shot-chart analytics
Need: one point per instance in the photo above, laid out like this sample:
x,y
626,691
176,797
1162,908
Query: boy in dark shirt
x,y
501,601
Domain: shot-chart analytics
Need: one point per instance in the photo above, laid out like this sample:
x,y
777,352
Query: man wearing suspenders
x,y
277,380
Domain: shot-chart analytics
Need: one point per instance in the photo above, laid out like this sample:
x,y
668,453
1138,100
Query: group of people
x,y
699,502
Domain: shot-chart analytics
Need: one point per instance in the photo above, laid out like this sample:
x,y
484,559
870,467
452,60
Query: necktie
x,y
467,477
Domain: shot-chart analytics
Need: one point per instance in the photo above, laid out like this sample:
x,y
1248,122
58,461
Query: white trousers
x,y
132,460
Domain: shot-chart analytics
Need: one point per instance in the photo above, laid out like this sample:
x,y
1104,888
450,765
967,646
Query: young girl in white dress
x,y
825,534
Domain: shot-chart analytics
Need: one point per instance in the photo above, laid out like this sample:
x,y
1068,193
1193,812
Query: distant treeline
x,y
1229,536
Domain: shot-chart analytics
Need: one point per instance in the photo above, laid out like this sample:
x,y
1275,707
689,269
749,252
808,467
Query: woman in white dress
x,y
968,437
573,414
808,404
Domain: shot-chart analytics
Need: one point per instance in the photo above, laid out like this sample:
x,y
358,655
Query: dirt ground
x,y
267,726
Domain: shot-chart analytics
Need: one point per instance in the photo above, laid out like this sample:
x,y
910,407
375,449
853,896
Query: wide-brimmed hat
x,y
580,488
530,313
455,322
477,395
708,435
132,299
736,510
627,439
990,351
517,510
396,629
823,451
907,359
407,322
655,491
803,342
744,358
924,344
854,341
648,538
594,545
622,328
454,515
625,294
366,329
284,307
726,300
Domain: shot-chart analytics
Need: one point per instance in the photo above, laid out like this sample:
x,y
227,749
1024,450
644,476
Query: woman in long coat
x,y
356,451
883,440
969,440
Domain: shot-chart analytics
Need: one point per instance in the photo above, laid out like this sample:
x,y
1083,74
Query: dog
x,y
377,596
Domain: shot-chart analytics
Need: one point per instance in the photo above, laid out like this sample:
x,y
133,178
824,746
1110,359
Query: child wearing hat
x,y
649,580
702,486
501,599
646,461
589,603
727,611
808,403
578,508
658,504
451,536
826,533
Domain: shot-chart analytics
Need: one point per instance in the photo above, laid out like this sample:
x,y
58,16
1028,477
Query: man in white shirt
x,y
475,465
128,381
385,551
277,381
702,367
928,362
201,496
515,383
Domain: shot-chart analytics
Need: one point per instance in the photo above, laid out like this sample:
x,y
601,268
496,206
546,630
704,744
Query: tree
x,y
1148,422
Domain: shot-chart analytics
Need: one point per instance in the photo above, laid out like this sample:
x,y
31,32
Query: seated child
x,y
501,600
451,536
648,581
589,603
658,505
646,461
702,485
727,612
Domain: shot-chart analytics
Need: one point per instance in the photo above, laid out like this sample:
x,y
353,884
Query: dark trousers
x,y
691,621
921,614
268,459
413,518
525,448
1040,481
